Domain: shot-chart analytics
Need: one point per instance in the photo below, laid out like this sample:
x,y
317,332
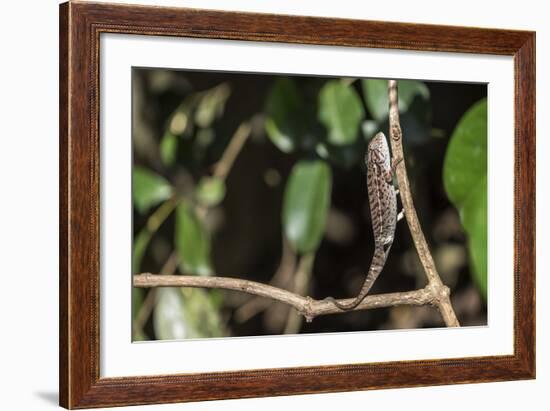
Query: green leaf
x,y
340,111
141,241
212,105
139,335
148,189
305,204
138,294
474,220
465,180
210,191
376,95
192,242
343,156
169,315
284,123
466,157
168,149
409,90
201,314
205,137
185,313
369,129
179,122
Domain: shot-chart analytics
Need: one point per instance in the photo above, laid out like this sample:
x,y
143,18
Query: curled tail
x,y
378,261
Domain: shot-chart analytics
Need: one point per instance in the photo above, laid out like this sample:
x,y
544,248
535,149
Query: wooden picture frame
x,y
80,27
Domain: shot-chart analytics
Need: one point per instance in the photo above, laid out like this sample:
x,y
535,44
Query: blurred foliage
x,y
465,178
320,127
306,203
192,241
210,191
341,112
186,313
410,92
181,313
149,189
168,148
285,123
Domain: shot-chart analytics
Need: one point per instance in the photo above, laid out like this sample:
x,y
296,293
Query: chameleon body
x,y
383,209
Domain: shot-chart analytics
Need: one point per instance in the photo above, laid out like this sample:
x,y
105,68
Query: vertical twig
x,y
439,290
281,278
223,166
302,278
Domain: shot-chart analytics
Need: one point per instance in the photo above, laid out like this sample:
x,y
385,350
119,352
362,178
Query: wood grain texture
x,y
80,28
63,206
525,204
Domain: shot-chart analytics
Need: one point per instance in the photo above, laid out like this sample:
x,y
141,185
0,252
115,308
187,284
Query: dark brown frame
x,y
80,27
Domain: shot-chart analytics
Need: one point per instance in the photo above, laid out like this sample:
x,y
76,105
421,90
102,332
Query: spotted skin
x,y
383,209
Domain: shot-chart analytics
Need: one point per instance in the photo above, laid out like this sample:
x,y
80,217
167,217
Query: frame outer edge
x,y
80,384
526,206
79,188
64,351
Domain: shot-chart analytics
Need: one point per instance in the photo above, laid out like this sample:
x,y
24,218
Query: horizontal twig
x,y
307,306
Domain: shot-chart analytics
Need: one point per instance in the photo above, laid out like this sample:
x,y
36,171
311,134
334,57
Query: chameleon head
x,y
378,150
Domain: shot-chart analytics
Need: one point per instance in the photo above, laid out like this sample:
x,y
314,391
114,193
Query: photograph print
x,y
270,204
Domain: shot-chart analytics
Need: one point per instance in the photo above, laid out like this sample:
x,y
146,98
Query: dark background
x,y
246,228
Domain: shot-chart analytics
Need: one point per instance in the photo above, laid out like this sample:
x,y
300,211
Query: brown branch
x,y
307,306
439,291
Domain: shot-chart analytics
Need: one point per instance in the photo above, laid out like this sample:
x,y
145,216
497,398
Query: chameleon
x,y
383,208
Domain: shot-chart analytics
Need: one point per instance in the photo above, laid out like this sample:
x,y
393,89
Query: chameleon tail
x,y
378,261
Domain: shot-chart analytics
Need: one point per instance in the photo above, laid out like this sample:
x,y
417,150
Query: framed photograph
x,y
259,205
